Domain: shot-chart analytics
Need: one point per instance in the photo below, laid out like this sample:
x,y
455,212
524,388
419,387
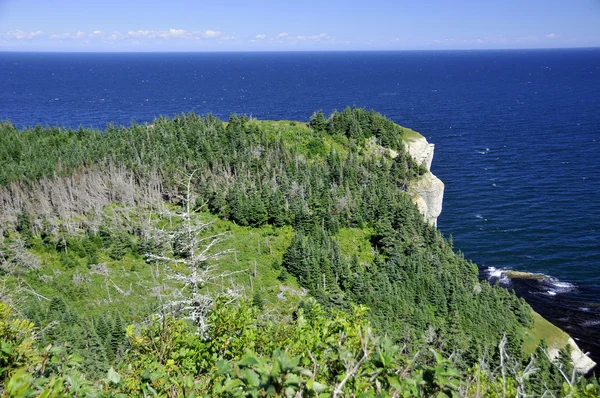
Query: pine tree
x,y
256,211
277,213
94,353
24,228
117,335
283,275
318,121
258,301
102,328
217,204
238,207
58,306
109,348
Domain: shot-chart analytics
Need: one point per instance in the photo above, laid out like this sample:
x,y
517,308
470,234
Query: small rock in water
x,y
525,275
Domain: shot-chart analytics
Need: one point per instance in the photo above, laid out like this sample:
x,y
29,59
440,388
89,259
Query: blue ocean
x,y
517,136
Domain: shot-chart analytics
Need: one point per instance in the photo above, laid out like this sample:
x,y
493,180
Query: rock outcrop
x,y
421,150
428,194
428,191
582,363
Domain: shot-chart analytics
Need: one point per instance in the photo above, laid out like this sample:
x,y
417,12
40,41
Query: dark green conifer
x,y
24,228
258,301
277,212
256,210
318,121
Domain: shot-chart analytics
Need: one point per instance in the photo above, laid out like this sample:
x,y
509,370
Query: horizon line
x,y
291,51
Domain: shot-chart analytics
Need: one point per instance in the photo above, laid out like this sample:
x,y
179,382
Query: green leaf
x,y
249,361
156,375
223,367
250,377
112,376
316,386
151,390
232,384
306,373
394,382
75,359
293,380
7,348
146,374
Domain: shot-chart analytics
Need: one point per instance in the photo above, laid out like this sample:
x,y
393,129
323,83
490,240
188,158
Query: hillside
x,y
319,236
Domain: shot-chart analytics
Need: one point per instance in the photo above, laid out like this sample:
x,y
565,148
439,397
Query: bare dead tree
x,y
521,377
353,363
192,262
63,199
502,348
15,258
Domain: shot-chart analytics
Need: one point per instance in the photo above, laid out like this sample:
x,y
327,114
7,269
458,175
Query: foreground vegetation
x,y
330,283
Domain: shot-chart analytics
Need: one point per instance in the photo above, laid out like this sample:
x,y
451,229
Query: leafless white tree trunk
x,y
192,262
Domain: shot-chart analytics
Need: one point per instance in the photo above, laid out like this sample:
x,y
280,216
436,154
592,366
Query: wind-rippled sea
x,y
517,137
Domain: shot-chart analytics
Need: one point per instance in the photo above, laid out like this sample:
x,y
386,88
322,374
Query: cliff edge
x,y
427,192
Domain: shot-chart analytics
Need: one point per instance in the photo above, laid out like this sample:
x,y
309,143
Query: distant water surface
x,y
517,136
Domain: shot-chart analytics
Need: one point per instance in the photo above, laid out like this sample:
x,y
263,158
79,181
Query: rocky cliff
x,y
428,191
428,194
583,364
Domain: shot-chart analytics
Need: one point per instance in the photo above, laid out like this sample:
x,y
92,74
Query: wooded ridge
x,y
196,257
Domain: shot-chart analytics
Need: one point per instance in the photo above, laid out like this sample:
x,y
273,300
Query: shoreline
x,y
548,297
427,194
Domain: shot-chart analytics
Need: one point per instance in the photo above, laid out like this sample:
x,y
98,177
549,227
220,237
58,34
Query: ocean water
x,y
517,136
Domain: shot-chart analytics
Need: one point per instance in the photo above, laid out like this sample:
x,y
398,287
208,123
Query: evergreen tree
x,y
117,335
93,353
258,301
238,208
277,213
256,211
318,121
102,327
283,275
24,228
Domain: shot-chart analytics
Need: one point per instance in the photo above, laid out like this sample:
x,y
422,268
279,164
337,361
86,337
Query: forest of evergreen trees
x,y
400,315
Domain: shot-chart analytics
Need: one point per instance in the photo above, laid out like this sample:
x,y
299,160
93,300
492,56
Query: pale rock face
x,y
428,195
428,191
421,151
581,362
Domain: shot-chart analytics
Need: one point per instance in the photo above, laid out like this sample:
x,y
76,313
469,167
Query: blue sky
x,y
266,25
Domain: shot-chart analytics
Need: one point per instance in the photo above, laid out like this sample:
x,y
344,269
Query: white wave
x,y
591,322
553,285
560,286
494,272
564,285
497,274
